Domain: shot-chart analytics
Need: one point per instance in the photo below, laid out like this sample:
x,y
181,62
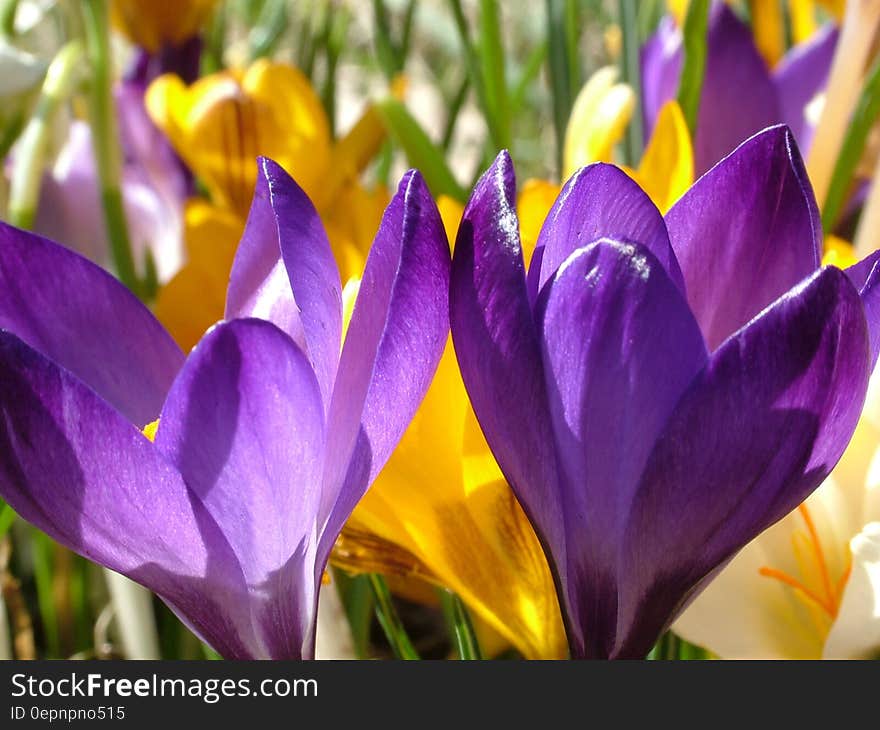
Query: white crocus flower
x,y
809,587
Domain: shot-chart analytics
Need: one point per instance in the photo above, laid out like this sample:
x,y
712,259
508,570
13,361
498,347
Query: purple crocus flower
x,y
658,392
265,441
740,96
154,187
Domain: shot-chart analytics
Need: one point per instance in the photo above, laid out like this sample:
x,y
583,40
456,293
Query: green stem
x,y
61,80
7,18
391,624
631,74
690,87
493,72
42,552
559,58
472,63
105,141
459,621
863,119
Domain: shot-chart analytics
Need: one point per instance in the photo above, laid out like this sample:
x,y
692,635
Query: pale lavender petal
x,y
398,330
498,351
76,469
78,315
661,60
620,346
601,201
244,423
800,76
755,435
746,232
284,272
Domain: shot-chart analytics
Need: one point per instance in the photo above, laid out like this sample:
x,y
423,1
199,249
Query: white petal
x,y
743,614
856,632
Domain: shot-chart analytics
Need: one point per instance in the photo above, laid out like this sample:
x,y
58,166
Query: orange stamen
x,y
820,555
798,586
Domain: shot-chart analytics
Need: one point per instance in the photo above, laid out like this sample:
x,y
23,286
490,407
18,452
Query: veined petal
x,y
757,432
746,232
284,272
398,329
80,472
800,76
78,315
244,424
611,320
601,201
855,633
498,352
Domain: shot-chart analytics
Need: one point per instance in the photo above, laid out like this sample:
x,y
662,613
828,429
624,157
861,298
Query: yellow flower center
x,y
150,430
816,588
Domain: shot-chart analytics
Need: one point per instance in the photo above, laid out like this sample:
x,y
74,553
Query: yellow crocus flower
x,y
156,23
219,125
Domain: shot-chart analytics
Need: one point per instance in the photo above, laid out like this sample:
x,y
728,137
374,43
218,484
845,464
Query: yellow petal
x,y
450,213
351,221
160,22
534,203
222,122
803,19
667,167
768,27
442,499
196,297
598,119
678,9
838,253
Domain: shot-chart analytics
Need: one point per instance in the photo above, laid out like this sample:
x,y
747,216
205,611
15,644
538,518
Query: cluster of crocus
x,y
255,448
616,409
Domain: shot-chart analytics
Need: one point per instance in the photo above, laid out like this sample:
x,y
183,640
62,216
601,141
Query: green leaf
x,y
493,72
421,152
459,621
694,66
391,624
635,139
356,595
7,517
562,41
865,116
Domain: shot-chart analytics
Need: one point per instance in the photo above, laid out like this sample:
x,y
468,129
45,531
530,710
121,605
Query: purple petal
x,y
800,76
498,351
82,318
284,272
397,334
738,97
601,201
244,423
620,346
865,276
756,434
80,472
660,60
746,232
